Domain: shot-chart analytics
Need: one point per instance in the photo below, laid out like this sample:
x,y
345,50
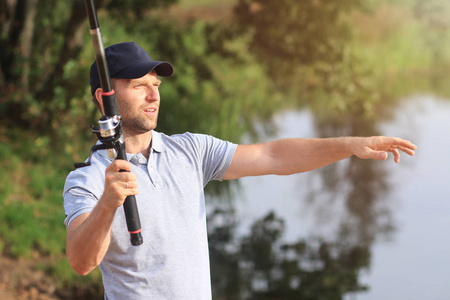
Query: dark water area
x,y
365,230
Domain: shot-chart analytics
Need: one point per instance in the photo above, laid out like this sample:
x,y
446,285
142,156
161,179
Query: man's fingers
x,y
130,185
121,176
409,151
409,145
130,188
119,164
404,145
396,155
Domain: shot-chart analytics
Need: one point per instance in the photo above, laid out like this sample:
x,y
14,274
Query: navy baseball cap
x,y
128,61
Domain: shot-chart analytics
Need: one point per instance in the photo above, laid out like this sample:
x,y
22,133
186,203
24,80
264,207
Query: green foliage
x,y
307,46
288,34
42,69
31,217
222,96
218,88
131,11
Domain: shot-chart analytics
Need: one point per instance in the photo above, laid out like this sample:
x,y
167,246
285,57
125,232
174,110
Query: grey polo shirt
x,y
173,261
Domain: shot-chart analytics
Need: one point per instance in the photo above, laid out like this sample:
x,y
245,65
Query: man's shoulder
x,y
179,136
186,137
181,139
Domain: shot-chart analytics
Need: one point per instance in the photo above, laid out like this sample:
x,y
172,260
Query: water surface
x,y
405,230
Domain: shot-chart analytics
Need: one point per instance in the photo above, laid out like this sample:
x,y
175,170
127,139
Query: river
x,y
409,249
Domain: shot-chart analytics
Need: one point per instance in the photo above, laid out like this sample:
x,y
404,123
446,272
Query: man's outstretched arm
x,y
290,156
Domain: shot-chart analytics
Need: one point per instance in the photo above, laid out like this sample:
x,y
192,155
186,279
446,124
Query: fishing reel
x,y
109,133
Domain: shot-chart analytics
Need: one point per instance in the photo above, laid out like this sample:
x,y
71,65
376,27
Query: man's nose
x,y
152,94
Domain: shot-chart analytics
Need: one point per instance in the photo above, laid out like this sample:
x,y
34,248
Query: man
x,y
168,174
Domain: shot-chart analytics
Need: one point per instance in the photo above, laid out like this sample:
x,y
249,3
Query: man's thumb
x,y
382,155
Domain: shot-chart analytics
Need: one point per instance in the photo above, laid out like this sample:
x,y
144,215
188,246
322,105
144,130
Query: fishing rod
x,y
109,131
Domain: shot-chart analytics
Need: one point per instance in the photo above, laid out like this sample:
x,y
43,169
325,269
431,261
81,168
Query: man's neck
x,y
138,143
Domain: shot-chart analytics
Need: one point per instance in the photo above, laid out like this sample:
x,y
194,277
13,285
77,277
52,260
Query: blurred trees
x,y
45,55
218,88
44,51
260,265
435,15
40,46
306,47
289,34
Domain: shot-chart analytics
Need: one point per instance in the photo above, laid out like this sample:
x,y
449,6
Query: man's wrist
x,y
348,145
105,208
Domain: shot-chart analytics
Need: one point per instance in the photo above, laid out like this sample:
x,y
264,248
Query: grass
x,y
31,217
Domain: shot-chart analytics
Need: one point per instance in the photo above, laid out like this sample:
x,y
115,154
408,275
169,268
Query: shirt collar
x,y
157,143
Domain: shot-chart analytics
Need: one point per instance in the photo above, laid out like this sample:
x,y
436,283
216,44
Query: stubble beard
x,y
139,125
134,124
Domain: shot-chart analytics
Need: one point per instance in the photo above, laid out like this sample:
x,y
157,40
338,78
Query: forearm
x,y
88,238
286,156
290,156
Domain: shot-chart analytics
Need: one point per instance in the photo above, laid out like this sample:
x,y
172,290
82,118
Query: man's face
x,y
138,102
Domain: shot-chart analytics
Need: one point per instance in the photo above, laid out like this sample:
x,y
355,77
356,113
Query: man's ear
x,y
98,96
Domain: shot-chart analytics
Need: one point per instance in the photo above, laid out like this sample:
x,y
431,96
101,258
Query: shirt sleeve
x,y
216,156
77,202
82,190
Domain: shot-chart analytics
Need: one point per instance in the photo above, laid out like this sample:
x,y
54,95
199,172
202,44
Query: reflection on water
x,y
323,234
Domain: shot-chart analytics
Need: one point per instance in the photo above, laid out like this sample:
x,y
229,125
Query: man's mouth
x,y
150,110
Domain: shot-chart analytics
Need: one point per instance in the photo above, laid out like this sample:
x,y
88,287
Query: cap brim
x,y
164,69
140,69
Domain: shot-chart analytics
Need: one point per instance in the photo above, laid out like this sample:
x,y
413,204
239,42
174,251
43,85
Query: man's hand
x,y
88,235
119,185
377,147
